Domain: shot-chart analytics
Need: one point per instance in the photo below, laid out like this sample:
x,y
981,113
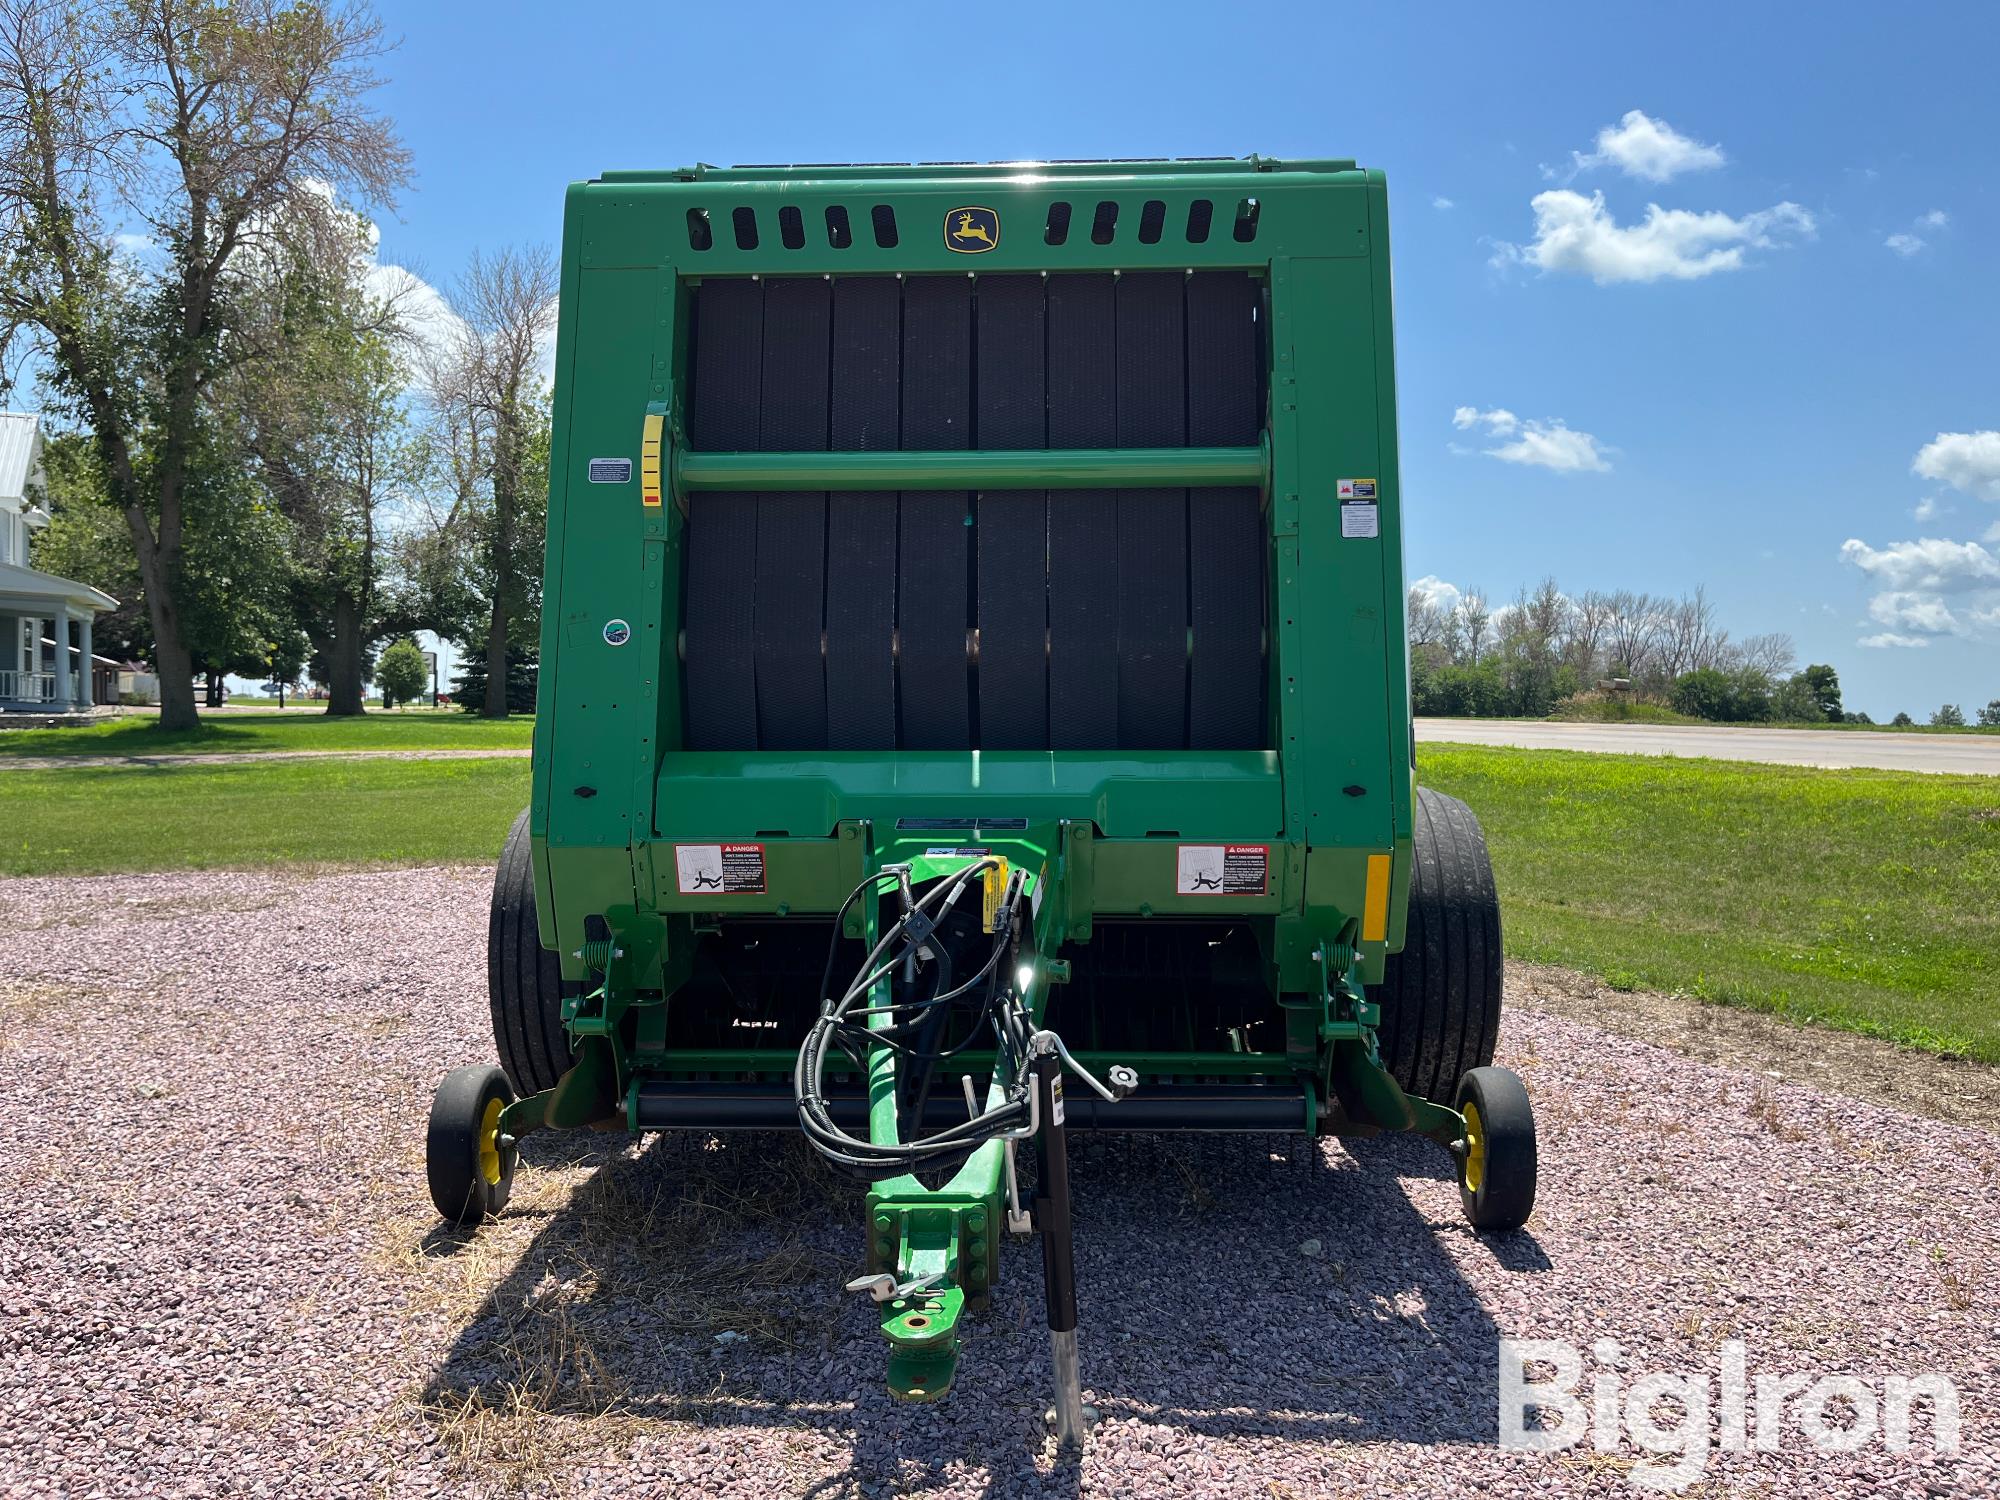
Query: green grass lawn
x,y
1867,900
92,819
416,729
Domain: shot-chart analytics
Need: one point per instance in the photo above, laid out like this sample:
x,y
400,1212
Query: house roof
x,y
20,452
25,588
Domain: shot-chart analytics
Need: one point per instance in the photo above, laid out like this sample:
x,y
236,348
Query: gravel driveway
x,y
219,1275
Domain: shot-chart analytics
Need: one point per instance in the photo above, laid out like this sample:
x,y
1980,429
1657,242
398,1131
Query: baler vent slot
x,y
839,233
792,227
1057,230
1152,217
1104,226
701,234
1246,221
745,220
884,218
1201,213
1007,619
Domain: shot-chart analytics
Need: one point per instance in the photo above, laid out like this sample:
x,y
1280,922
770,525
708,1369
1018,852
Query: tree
x,y
202,125
1989,716
1950,716
468,684
87,539
493,421
322,418
1902,721
233,610
1824,685
402,673
1792,702
1774,655
1703,694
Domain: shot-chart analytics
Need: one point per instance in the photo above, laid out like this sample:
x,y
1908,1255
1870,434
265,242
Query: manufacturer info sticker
x,y
1358,519
1223,870
720,869
611,471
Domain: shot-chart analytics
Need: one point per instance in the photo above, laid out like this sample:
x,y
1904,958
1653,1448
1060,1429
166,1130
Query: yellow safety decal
x,y
1375,910
994,885
649,459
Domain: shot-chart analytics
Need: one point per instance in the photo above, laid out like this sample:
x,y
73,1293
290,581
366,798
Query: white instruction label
x,y
1223,870
611,471
1358,519
720,869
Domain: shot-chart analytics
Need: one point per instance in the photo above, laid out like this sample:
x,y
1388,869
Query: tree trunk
x,y
173,663
214,688
175,669
343,659
495,706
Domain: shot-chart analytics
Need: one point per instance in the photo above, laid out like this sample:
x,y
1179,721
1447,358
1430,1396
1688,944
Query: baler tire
x,y
1496,1180
469,1167
1440,996
523,979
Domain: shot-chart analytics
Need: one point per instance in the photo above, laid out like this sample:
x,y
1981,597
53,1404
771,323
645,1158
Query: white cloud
x,y
1968,461
1550,444
1498,421
1931,563
1910,611
1434,589
1889,638
1442,202
142,248
1907,243
1640,146
1931,586
1926,509
1578,235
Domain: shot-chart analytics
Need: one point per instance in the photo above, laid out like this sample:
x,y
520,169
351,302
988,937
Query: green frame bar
x,y
992,469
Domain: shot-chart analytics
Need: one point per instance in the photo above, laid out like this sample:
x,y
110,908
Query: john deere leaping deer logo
x,y
971,231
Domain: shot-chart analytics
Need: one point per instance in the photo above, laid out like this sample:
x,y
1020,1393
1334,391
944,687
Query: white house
x,y
45,621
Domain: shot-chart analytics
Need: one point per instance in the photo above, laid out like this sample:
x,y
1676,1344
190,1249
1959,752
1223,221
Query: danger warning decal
x,y
1223,870
720,869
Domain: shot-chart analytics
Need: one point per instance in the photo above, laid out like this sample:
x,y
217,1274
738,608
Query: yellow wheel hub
x,y
489,1143
1475,1148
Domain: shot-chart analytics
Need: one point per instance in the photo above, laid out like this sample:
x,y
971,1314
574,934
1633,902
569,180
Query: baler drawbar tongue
x,y
896,1019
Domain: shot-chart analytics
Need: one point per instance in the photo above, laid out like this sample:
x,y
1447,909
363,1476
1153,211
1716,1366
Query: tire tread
x,y
1441,995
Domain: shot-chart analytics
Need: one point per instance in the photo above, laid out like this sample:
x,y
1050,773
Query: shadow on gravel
x,y
1231,1287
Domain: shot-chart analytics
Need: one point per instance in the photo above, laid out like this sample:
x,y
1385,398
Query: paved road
x,y
236,757
1965,754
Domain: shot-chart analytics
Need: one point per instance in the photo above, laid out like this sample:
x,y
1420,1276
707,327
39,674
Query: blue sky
x,y
1736,392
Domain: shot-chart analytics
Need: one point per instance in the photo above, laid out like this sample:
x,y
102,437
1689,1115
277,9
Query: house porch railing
x,y
27,687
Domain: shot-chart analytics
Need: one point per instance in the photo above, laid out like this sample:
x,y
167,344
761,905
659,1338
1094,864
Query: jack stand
x,y
1070,1416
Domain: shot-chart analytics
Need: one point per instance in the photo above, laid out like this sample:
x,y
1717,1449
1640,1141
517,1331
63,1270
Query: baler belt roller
x,y
987,469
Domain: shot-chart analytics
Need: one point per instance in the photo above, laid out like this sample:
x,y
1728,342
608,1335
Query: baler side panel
x,y
1395,589
600,704
552,552
1333,686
